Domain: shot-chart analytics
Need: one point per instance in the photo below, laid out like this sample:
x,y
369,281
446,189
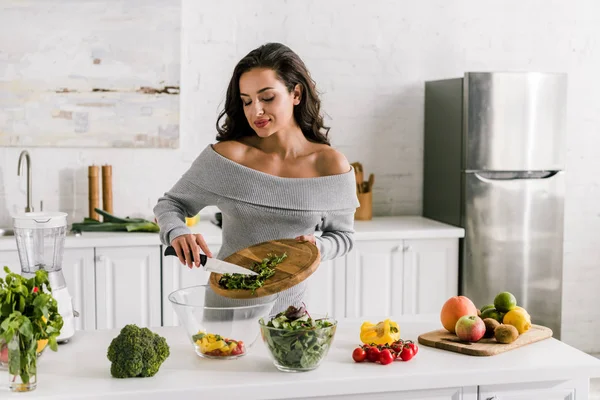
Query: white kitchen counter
x,y
403,227
80,370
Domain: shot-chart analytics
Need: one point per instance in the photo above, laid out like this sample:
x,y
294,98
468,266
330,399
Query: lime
x,y
493,314
505,302
486,307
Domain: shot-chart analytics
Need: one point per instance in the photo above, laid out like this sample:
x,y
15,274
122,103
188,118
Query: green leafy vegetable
x,y
28,313
113,224
296,340
265,270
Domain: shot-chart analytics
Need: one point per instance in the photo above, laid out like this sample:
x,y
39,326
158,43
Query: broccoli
x,y
136,352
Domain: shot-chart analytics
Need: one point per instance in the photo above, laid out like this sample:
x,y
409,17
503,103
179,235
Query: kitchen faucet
x,y
25,154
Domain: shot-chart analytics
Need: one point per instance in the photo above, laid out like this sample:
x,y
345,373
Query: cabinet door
x,y
326,289
10,259
128,286
430,274
554,390
374,279
176,276
78,269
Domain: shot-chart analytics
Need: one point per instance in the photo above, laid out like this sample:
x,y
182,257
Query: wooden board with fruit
x,y
493,329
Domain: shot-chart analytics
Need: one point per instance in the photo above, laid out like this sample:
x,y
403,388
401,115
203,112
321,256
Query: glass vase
x,y
22,366
3,355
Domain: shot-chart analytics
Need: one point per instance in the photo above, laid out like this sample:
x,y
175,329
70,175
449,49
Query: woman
x,y
272,173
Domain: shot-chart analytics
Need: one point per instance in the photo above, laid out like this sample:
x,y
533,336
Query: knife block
x,y
364,211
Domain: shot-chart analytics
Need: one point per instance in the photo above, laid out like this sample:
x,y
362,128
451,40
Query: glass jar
x,y
22,367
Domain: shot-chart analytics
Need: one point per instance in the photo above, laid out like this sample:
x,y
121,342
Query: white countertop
x,y
80,369
403,227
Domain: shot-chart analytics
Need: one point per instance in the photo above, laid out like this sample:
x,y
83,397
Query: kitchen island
x,y
544,370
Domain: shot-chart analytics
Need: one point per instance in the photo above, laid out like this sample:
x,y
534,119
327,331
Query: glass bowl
x,y
219,327
298,350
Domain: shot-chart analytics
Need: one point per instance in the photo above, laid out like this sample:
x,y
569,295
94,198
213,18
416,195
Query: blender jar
x,y
40,240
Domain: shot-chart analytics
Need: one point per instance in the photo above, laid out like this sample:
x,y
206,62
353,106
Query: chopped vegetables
x,y
265,270
217,346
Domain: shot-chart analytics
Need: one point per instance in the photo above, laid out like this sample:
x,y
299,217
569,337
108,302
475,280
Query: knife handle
x,y
170,251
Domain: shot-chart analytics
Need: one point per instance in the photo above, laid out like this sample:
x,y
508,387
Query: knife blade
x,y
215,265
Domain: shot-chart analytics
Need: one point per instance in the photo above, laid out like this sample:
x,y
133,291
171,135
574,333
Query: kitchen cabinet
x,y
78,270
175,276
326,291
398,277
461,393
128,286
9,259
398,266
552,390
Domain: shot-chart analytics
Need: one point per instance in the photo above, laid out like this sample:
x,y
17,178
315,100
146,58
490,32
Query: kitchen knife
x,y
214,265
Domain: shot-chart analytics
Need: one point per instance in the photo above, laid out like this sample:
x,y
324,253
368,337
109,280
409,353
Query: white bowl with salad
x,y
219,328
297,341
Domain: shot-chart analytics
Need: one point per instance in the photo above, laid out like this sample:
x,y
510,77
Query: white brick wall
x,y
370,61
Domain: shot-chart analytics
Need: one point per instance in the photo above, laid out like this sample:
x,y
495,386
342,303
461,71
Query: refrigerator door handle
x,y
489,176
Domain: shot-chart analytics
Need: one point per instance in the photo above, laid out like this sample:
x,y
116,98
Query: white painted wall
x,y
370,60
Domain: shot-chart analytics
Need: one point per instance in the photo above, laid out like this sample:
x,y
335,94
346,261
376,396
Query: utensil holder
x,y
364,211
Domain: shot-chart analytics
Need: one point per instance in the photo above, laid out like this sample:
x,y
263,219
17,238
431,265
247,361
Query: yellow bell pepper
x,y
384,332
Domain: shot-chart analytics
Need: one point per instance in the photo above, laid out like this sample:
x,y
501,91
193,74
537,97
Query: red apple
x,y
470,328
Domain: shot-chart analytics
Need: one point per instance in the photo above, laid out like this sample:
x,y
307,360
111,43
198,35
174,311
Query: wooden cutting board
x,y
302,260
442,339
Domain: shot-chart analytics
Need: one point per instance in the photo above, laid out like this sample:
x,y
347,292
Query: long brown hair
x,y
291,71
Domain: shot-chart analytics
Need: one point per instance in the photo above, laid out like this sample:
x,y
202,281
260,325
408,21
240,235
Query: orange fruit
x,y
454,308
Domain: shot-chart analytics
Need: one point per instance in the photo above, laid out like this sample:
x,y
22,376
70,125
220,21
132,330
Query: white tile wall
x,y
370,60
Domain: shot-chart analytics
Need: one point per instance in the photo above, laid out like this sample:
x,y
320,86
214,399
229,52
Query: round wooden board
x,y
302,260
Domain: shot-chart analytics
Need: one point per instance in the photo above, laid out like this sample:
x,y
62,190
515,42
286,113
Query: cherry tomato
x,y
385,357
407,353
373,354
359,355
414,348
397,347
239,349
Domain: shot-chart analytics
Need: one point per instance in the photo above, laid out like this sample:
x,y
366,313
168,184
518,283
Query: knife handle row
x,y
170,251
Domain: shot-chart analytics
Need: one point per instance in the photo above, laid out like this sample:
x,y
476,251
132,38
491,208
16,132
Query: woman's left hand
x,y
307,238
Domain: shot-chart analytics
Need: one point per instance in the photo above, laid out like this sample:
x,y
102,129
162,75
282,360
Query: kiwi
x,y
490,325
506,333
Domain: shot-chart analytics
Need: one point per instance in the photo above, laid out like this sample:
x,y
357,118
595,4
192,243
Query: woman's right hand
x,y
188,249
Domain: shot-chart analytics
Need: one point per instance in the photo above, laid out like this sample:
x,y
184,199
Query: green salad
x,y
297,341
265,270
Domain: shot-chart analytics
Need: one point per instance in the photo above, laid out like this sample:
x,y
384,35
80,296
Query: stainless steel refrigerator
x,y
494,154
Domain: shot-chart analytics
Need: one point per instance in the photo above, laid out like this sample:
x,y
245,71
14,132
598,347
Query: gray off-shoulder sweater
x,y
257,207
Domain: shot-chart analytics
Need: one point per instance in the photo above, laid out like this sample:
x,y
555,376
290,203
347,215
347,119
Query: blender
x,y
40,242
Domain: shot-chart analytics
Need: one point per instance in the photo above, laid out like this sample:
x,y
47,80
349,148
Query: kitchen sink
x,y
6,232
